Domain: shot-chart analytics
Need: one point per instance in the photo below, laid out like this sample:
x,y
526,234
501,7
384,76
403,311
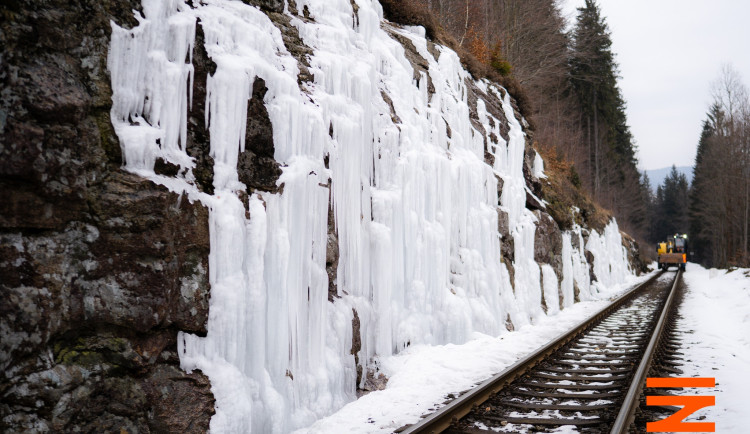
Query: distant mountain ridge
x,y
657,176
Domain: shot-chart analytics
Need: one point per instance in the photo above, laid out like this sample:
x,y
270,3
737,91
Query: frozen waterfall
x,y
415,203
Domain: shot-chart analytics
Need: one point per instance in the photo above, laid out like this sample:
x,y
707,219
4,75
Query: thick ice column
x,y
610,256
538,166
227,93
551,294
514,188
527,271
566,285
226,354
276,351
417,225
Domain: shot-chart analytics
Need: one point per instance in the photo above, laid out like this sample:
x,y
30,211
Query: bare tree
x,y
466,25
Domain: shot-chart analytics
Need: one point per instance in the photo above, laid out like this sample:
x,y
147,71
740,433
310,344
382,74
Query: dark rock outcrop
x,y
507,246
548,243
590,259
99,268
332,256
374,381
638,261
198,138
293,43
267,5
356,344
256,167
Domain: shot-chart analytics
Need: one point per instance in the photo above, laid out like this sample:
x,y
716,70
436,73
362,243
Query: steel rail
x,y
443,418
631,401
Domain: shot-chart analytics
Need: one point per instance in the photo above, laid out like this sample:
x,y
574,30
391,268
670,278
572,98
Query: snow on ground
x,y
421,376
716,342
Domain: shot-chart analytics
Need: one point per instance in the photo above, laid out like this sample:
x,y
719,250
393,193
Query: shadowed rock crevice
x,y
198,138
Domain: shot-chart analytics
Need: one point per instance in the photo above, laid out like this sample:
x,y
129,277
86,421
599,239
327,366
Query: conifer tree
x,y
592,73
612,165
699,231
720,196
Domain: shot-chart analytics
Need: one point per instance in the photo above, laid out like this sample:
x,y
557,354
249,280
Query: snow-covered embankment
x,y
714,325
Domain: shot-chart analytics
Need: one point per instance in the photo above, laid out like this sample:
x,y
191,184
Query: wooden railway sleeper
x,y
578,377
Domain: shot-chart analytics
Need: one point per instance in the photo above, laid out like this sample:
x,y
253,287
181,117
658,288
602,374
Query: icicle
x,y
551,295
610,256
149,78
566,286
538,166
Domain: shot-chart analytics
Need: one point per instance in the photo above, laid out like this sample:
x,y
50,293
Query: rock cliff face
x,y
99,268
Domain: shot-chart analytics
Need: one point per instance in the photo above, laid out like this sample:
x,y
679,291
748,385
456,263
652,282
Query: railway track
x,y
589,379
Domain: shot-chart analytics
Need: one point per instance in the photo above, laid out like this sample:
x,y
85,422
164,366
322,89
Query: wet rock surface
x,y
99,268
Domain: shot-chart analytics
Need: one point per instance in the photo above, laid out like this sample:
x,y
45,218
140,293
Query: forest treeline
x,y
565,79
714,210
720,194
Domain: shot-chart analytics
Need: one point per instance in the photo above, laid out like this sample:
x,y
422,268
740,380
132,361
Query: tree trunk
x,y
466,25
596,147
590,155
745,225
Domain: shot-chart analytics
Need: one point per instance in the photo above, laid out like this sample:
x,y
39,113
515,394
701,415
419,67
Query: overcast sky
x,y
669,52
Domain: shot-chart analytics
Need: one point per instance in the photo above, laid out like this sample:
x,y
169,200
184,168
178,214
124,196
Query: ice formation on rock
x,y
415,206
539,166
610,256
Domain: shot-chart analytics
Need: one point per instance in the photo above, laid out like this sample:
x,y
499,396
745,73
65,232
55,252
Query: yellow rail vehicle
x,y
673,252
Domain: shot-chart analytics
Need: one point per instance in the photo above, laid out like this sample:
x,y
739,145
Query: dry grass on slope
x,y
410,14
562,191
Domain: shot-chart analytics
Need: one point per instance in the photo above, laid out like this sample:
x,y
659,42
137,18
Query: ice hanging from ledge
x,y
151,68
415,206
